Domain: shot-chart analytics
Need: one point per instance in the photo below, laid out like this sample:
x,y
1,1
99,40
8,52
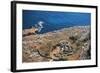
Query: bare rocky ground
x,y
61,45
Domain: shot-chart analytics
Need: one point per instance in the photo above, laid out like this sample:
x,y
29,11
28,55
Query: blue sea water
x,y
55,20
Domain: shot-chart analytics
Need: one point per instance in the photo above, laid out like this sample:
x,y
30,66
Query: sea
x,y
54,20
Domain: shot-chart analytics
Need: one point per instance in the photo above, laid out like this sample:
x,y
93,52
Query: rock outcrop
x,y
28,32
